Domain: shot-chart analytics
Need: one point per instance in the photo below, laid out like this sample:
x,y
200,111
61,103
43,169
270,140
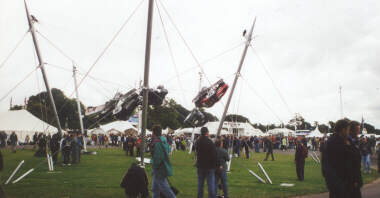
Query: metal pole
x,y
42,67
247,43
146,80
79,107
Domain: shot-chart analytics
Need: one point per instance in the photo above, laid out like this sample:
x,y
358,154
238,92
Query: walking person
x,y
355,181
335,160
220,174
366,152
206,163
269,147
300,156
161,167
13,139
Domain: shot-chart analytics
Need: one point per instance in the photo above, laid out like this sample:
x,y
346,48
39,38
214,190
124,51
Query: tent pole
x,y
79,107
247,43
146,80
42,67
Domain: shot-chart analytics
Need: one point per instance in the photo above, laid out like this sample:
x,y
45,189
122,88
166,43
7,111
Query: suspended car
x,y
196,118
156,96
208,96
123,105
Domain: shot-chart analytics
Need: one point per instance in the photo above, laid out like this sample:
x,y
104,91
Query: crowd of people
x,y
343,154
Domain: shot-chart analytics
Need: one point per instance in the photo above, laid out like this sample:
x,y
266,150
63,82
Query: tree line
x,y
171,114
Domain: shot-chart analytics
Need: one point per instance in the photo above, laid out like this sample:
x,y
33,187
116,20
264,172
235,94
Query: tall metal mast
x,y
146,80
42,66
247,43
79,107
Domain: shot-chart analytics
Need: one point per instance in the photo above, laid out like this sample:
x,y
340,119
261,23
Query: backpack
x,y
135,182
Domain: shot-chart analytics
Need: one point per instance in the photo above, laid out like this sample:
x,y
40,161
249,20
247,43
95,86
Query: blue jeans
x,y
366,163
223,178
161,185
208,174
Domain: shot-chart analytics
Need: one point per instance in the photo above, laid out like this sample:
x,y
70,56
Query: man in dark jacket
x,y
355,181
269,146
300,156
206,163
66,149
54,146
14,140
335,160
221,159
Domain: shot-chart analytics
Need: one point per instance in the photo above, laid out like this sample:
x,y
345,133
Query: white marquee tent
x,y
315,133
24,123
281,131
244,129
116,126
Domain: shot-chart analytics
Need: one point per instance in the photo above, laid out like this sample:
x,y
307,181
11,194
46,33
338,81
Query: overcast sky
x,y
309,48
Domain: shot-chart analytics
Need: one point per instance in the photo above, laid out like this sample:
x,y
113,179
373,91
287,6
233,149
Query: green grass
x,y
100,176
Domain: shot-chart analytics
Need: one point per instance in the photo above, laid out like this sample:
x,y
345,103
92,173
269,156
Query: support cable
x,y
184,41
18,84
13,50
270,77
171,52
109,44
262,99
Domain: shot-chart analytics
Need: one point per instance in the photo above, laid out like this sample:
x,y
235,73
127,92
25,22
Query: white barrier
x,y
265,173
22,176
258,177
14,172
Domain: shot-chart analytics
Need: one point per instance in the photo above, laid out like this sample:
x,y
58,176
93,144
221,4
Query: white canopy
x,y
283,131
24,123
116,126
253,132
315,133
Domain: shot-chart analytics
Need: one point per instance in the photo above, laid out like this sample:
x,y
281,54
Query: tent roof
x,y
120,126
24,121
315,133
284,131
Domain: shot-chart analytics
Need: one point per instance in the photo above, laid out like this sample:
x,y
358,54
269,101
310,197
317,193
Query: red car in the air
x,y
209,96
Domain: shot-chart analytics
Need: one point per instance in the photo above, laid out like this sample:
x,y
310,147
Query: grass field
x,y
100,175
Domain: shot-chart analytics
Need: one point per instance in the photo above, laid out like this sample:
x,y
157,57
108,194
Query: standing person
x,y
131,144
257,144
355,181
269,147
161,167
27,140
35,140
13,138
206,163
66,144
54,146
221,158
335,160
300,156
366,152
284,144
246,147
